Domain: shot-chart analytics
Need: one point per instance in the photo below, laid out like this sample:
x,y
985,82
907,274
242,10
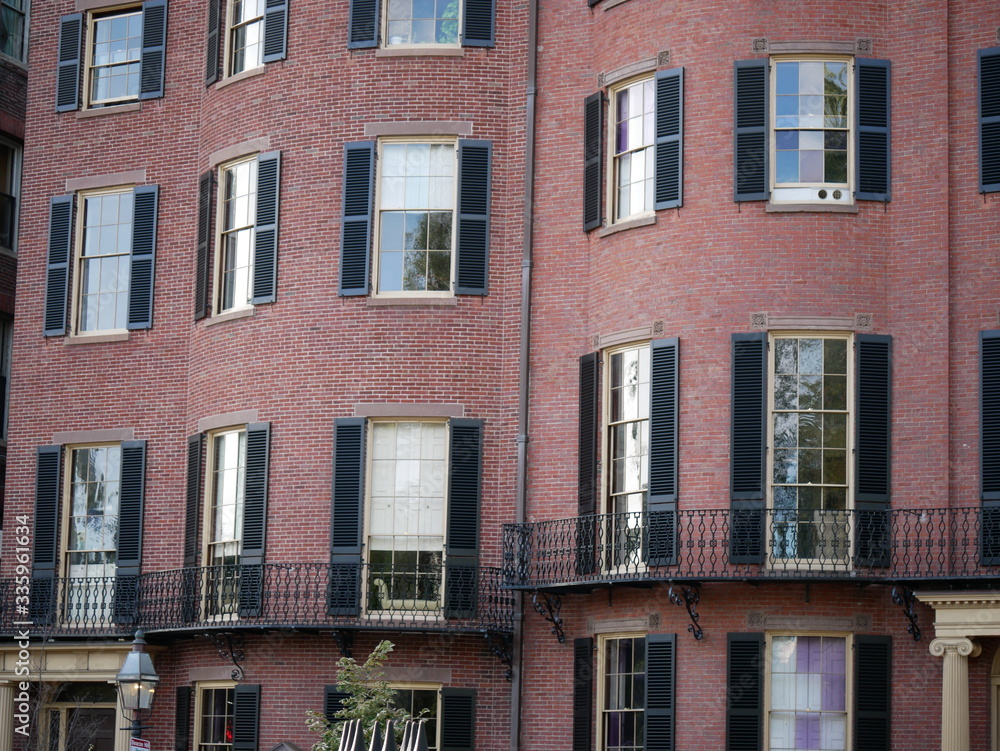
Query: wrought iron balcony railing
x,y
8,209
724,545
272,595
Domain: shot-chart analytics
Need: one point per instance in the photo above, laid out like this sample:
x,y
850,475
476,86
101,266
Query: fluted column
x,y
6,716
955,690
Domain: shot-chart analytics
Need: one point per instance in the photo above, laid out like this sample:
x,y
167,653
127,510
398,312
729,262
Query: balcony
x,y
308,596
897,545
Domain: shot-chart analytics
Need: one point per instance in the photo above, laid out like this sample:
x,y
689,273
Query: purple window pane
x,y
835,655
614,729
623,105
807,736
833,692
622,137
625,656
811,166
808,654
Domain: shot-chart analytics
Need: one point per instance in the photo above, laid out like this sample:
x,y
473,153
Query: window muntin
x,y
246,35
104,260
238,209
13,16
416,207
226,494
807,697
422,703
421,22
115,54
10,178
82,717
811,134
633,136
214,717
622,684
810,424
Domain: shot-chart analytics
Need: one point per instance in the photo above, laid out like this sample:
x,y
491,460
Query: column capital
x,y
955,645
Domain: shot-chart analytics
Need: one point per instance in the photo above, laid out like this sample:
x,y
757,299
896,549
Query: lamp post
x,y
137,682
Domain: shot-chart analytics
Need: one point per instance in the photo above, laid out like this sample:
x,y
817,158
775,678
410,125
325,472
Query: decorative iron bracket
x,y
502,647
345,642
549,610
231,646
689,597
903,596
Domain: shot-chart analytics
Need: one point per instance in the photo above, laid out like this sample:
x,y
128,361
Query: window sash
x,y
246,35
414,697
400,25
621,692
633,162
237,232
13,22
117,62
212,726
103,261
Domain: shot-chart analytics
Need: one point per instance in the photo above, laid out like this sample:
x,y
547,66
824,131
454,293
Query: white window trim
x,y
387,45
209,491
87,100
636,218
122,733
418,686
227,51
600,657
18,150
199,705
220,236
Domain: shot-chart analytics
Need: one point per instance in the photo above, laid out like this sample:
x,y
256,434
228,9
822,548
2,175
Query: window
x,y
622,693
253,33
103,260
422,702
421,22
10,181
115,52
246,35
13,23
214,717
224,519
633,148
81,717
239,203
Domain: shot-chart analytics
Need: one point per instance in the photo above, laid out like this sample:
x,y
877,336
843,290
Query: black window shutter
x,y
363,25
193,503
131,497
873,125
356,220
669,138
663,409
57,270
145,207
253,540
458,719
661,692
202,260
872,692
593,134
333,702
587,463
182,719
212,45
70,48
46,533
246,717
152,64
477,27
275,30
750,152
872,455
265,254
465,474
346,515
583,692
748,448
472,238
745,692
989,445
989,120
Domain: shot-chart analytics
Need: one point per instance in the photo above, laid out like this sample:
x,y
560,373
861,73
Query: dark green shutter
x,y
669,138
57,269
212,45
333,702
873,129
750,136
661,691
478,20
748,450
275,30
583,692
193,502
46,534
70,53
265,253
202,258
872,692
246,717
356,219
472,238
745,692
131,497
465,475
989,120
663,410
872,443
587,462
346,516
363,25
182,719
152,64
253,539
593,134
145,207
458,719
989,445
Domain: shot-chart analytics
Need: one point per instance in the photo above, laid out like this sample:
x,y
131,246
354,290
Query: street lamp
x,y
137,682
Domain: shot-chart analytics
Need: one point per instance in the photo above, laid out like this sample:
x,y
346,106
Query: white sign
x,y
138,744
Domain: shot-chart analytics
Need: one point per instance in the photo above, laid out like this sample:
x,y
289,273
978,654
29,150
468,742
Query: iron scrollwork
x,y
689,597
549,609
345,642
904,597
231,646
502,647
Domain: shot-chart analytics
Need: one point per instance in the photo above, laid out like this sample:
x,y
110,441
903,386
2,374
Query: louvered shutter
x,y
465,474
275,30
587,463
748,448
593,133
333,702
669,139
873,130
661,682
182,719
202,259
750,169
663,409
191,581
57,269
583,692
478,20
356,220
872,442
458,719
253,539
246,717
346,515
472,238
68,75
989,120
152,63
872,692
265,254
745,692
145,207
363,24
212,71
989,445
131,495
46,534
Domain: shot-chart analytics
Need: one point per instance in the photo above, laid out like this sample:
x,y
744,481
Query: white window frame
x,y
199,706
602,652
377,219
63,707
15,188
613,159
812,192
219,287
215,583
89,98
389,44
24,39
229,48
435,742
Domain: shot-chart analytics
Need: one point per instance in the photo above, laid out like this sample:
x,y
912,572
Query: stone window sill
x,y
819,208
115,336
230,315
241,76
642,221
116,109
420,52
412,302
